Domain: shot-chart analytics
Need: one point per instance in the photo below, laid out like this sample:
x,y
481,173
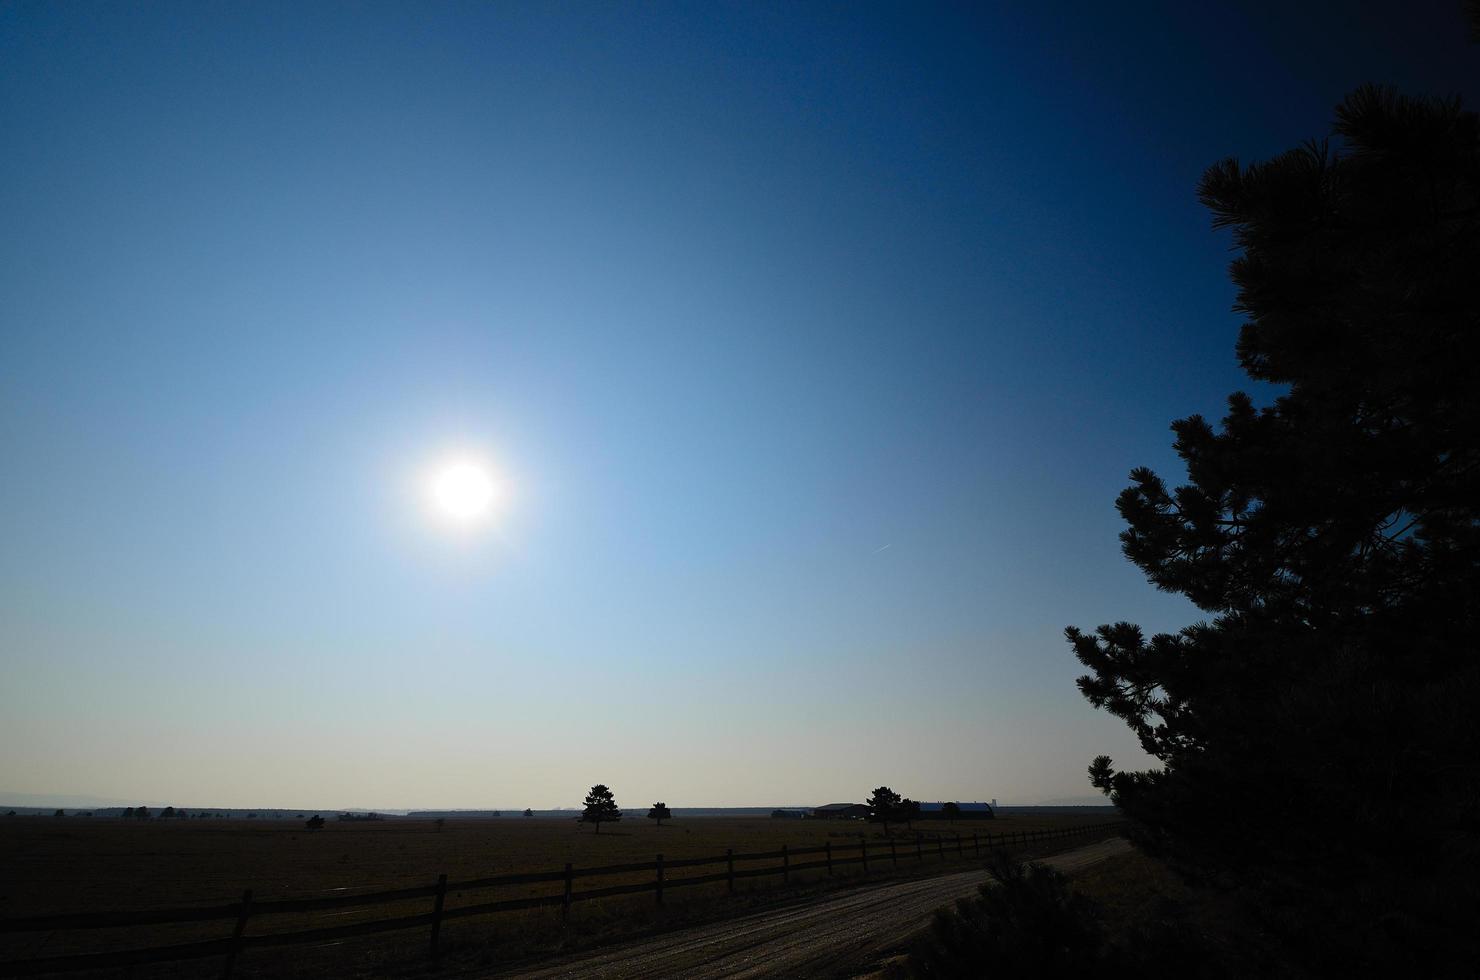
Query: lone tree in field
x,y
1333,536
952,811
528,812
314,822
659,812
601,807
909,812
883,806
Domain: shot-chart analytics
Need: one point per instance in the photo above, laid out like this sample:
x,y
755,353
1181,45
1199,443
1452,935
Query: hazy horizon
x,y
472,402
83,803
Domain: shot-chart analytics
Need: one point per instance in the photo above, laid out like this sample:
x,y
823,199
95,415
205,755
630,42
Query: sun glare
x,y
464,492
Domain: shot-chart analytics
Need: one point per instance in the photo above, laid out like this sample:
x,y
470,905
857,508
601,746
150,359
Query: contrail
x,y
885,548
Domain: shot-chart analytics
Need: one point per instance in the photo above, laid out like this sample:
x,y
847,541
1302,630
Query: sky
x,y
809,344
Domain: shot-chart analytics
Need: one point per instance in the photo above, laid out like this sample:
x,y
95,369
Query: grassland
x,y
52,865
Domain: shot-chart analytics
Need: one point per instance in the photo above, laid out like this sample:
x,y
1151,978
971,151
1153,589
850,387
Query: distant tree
x,y
128,813
528,812
909,812
10,813
951,810
1332,538
883,806
59,813
141,813
168,813
601,807
659,812
314,822
440,822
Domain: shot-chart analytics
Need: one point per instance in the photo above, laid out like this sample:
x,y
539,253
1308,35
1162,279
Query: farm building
x,y
969,811
841,811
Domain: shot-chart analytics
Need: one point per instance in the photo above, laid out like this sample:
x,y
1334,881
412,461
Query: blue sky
x,y
814,344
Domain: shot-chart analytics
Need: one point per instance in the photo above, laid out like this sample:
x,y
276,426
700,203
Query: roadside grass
x,y
1140,901
1125,915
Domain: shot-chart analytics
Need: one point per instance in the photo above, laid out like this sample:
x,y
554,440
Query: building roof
x,y
839,806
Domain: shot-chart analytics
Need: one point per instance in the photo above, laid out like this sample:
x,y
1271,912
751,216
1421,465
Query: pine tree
x,y
1316,736
883,806
601,807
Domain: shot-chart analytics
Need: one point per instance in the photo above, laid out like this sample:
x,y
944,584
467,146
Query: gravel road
x,y
838,936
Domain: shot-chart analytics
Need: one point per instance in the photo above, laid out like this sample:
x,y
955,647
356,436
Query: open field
x,y
76,865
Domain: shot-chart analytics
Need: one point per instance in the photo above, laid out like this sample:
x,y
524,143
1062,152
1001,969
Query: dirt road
x,y
833,937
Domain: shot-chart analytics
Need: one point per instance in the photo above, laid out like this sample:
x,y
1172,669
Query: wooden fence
x,y
829,856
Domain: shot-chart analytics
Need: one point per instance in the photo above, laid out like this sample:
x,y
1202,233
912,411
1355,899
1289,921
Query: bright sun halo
x,y
464,491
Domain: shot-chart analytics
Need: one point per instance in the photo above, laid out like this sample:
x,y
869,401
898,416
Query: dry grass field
x,y
52,865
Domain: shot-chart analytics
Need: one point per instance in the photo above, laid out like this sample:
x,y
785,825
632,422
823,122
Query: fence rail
x,y
247,908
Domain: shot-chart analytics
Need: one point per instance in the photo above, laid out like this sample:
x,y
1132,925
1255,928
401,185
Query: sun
x,y
464,492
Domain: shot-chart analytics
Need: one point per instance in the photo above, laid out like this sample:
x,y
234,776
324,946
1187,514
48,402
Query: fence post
x,y
785,865
828,847
730,868
863,849
976,844
565,904
893,853
940,847
959,852
660,879
919,852
236,936
437,911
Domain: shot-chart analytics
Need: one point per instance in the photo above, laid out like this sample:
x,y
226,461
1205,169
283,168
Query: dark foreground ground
x,y
842,935
75,865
